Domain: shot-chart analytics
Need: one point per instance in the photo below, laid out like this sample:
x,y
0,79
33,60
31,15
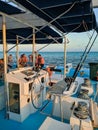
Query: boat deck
x,y
35,120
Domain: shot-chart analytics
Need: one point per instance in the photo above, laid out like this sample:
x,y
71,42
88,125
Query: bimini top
x,y
15,28
65,15
46,35
7,8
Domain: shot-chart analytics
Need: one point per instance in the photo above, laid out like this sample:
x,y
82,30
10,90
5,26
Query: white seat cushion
x,y
52,124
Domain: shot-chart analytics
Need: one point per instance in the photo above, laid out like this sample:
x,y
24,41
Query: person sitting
x,y
23,60
10,60
1,68
41,61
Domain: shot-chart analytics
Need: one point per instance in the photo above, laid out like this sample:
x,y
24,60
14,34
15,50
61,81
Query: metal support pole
x,y
61,107
64,57
53,107
5,62
17,52
33,47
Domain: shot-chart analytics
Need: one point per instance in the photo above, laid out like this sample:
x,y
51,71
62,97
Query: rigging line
x,y
26,39
30,39
87,46
44,26
59,37
86,28
36,39
51,42
20,21
74,29
53,19
21,37
8,40
62,36
81,60
84,25
71,31
43,47
85,56
88,51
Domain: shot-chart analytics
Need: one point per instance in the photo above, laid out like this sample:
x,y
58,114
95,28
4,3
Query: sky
x,y
77,42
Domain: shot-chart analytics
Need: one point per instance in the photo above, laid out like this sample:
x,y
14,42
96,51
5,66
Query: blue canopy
x,y
46,35
9,9
66,15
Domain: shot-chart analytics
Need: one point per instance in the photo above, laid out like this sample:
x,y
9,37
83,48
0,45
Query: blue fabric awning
x,y
45,36
9,9
75,15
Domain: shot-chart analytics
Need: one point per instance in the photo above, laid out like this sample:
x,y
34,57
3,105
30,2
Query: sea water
x,y
57,58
